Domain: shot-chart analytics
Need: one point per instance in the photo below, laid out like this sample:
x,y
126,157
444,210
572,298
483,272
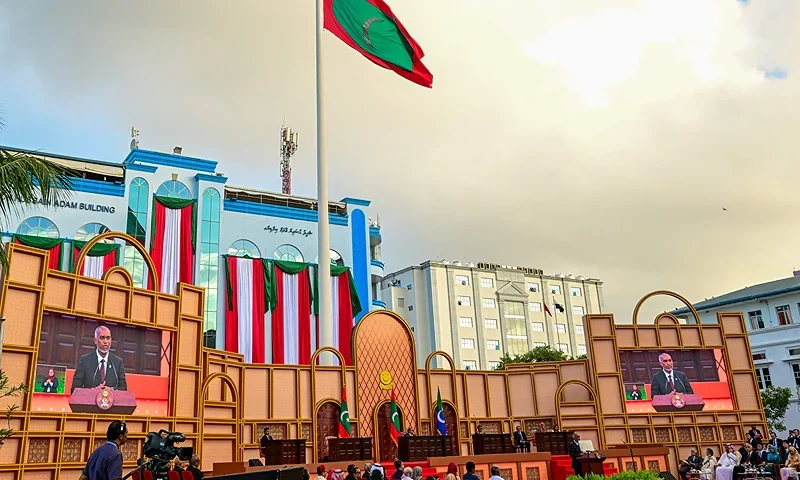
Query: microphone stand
x,y
630,449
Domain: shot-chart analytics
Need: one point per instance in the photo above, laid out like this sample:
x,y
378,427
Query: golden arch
x,y
229,381
592,394
151,267
428,361
316,427
403,424
667,293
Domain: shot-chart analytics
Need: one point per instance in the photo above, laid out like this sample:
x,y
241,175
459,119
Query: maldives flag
x,y
290,298
394,426
344,416
52,245
370,27
247,292
345,307
172,241
100,258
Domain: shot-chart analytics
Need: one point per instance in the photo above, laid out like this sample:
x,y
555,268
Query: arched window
x,y
91,230
38,227
138,200
288,253
244,248
209,261
336,259
173,188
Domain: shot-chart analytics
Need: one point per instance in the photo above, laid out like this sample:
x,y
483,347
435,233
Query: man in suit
x,y
774,440
100,368
194,467
575,452
669,380
693,462
521,440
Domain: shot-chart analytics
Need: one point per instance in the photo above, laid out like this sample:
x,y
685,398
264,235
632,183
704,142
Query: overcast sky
x,y
594,138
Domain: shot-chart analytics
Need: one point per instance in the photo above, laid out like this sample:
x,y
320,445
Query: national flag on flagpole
x,y
98,260
441,426
546,309
394,426
290,299
558,307
370,28
247,293
173,241
344,416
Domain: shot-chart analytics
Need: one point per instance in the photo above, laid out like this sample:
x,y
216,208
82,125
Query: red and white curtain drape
x,y
172,241
100,258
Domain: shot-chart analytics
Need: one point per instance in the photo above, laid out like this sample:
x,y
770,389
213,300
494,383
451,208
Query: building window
x,y
464,301
576,291
462,279
756,320
555,289
794,352
490,323
470,365
244,248
561,328
581,349
91,230
138,200
533,287
494,365
578,329
465,321
764,380
784,315
535,307
38,227
537,327
288,253
539,344
468,343
489,303
336,258
563,347
487,282
577,310
175,189
517,344
796,372
209,261
401,302
493,344
759,356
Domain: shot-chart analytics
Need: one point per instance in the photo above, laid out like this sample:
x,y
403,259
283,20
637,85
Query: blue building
x,y
118,196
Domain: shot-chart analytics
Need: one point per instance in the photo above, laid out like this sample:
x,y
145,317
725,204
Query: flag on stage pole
x,y
370,28
394,428
344,416
439,412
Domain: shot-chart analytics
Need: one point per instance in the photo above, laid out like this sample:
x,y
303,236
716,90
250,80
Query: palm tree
x,y
25,180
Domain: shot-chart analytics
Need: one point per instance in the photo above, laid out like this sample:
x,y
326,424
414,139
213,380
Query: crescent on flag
x,y
366,27
440,416
394,415
343,415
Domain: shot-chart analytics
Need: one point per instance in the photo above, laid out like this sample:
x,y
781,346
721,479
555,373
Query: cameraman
x,y
106,461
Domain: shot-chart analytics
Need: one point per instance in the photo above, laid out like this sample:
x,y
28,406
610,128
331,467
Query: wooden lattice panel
x,y
708,434
532,473
72,450
38,450
685,434
506,474
653,466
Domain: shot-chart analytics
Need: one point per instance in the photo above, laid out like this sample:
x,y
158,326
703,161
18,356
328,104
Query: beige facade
x,y
476,313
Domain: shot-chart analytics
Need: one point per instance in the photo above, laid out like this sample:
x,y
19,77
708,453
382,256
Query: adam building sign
x,y
89,207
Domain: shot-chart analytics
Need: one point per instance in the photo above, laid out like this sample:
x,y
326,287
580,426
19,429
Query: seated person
x,y
729,460
693,462
521,440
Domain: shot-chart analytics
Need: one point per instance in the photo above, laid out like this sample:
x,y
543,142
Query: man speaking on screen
x,y
100,368
668,380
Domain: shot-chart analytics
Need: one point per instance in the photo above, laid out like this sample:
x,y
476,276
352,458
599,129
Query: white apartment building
x,y
478,313
772,316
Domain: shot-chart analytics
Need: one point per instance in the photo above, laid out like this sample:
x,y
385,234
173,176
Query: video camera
x,y
160,449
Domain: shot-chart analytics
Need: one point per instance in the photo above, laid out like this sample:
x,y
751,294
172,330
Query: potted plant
x,y
6,391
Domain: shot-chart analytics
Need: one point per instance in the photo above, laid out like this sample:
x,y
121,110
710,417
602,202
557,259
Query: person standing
x,y
575,453
470,475
105,463
398,473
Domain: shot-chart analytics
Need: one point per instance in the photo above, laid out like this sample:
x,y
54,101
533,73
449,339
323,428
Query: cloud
x,y
580,138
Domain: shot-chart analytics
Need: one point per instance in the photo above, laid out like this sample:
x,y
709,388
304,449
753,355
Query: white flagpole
x,y
325,301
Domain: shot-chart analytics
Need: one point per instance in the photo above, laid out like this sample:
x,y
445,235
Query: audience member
x,y
709,465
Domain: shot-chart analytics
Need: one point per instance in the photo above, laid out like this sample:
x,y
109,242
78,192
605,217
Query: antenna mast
x,y
288,148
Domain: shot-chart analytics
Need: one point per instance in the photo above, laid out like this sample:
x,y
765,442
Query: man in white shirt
x,y
495,473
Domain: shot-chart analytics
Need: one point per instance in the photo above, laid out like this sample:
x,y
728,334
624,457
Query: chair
x,y
187,475
148,475
173,475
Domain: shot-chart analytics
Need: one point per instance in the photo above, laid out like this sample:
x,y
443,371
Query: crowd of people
x,y
771,458
376,472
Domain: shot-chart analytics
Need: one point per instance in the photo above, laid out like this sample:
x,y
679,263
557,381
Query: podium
x,y
422,447
679,402
556,443
491,443
95,400
591,463
346,449
284,452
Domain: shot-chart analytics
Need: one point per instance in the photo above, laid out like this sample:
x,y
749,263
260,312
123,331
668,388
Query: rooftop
x,y
762,290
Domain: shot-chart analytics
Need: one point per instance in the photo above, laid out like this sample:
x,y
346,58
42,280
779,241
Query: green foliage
x,y
6,391
581,357
24,180
776,403
638,475
545,353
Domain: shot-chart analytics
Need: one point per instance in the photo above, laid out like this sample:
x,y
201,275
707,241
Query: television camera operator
x,y
160,449
105,463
